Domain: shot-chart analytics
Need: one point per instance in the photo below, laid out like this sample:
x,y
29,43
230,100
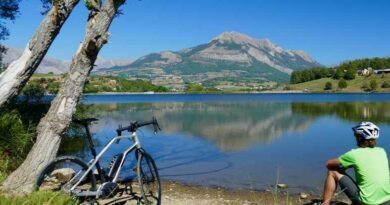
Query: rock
x,y
281,186
63,175
52,180
303,195
49,186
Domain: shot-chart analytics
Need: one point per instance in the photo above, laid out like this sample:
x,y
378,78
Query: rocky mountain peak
x,y
243,39
304,55
235,37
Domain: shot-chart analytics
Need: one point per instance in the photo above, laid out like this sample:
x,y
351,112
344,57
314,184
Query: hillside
x,y
50,84
230,59
355,85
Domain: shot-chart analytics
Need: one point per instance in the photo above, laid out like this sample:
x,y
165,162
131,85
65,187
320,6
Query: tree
x,y
338,74
350,74
8,11
13,79
373,84
342,83
328,86
58,118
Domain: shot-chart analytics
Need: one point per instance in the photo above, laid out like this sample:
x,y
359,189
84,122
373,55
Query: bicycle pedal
x,y
108,189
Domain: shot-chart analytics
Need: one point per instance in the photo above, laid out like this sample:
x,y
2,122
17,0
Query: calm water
x,y
242,141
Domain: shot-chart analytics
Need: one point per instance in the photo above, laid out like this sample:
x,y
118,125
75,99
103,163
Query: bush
x,y
342,83
350,74
194,88
328,86
52,87
33,92
288,87
365,86
373,84
16,140
385,84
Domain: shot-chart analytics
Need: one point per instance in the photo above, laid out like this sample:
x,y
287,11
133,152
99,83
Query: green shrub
x,y
342,83
328,86
385,84
288,87
350,74
33,92
52,87
16,139
365,86
373,84
195,88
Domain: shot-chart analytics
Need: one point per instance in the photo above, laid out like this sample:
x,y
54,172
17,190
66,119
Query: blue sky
x,y
331,31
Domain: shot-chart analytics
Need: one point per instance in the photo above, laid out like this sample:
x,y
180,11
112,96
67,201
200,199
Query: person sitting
x,y
371,168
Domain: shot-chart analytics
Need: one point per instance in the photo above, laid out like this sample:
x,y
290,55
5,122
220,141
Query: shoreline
x,y
175,193
229,93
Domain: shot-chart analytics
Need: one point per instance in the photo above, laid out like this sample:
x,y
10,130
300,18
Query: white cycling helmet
x,y
367,130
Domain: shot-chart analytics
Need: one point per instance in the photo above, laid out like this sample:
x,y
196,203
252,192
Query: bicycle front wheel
x,y
65,172
148,179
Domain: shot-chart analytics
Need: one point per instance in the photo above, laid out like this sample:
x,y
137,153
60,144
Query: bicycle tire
x,y
148,179
51,178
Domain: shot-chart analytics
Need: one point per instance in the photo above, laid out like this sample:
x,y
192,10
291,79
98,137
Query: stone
x,y
281,186
303,195
63,175
49,186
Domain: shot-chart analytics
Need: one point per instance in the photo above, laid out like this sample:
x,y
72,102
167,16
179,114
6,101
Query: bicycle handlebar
x,y
135,125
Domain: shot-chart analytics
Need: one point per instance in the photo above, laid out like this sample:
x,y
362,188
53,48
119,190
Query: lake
x,y
241,141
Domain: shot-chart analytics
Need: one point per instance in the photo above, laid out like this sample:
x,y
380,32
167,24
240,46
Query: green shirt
x,y
371,171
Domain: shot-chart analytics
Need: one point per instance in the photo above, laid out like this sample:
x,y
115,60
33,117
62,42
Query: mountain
x,y
102,63
230,58
57,66
48,64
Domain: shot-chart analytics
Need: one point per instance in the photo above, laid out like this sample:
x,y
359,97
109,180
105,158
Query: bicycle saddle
x,y
85,121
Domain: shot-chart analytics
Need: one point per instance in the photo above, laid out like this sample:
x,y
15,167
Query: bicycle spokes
x,y
149,181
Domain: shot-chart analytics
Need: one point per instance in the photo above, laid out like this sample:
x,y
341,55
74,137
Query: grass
x,y
38,198
354,85
16,140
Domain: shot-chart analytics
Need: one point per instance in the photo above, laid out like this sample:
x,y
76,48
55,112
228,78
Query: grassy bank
x,y
359,84
38,198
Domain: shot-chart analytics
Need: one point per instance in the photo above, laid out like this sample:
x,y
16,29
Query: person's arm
x,y
333,164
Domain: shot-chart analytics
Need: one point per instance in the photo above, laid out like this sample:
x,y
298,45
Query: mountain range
x,y
57,66
231,58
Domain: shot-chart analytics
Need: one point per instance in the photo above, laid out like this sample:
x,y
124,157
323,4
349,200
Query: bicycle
x,y
88,181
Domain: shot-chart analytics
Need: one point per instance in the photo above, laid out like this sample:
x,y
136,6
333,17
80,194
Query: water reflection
x,y
236,126
378,112
230,126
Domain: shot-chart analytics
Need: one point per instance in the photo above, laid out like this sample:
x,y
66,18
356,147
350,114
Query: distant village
x,y
369,71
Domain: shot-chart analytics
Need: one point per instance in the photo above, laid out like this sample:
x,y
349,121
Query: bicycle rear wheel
x,y
63,173
148,179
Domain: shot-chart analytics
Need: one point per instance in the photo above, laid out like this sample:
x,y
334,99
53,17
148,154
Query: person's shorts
x,y
350,188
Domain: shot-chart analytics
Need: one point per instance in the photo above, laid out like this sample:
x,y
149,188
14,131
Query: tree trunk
x,y
59,116
13,79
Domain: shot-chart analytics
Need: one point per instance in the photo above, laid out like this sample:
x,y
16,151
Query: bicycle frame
x,y
137,145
